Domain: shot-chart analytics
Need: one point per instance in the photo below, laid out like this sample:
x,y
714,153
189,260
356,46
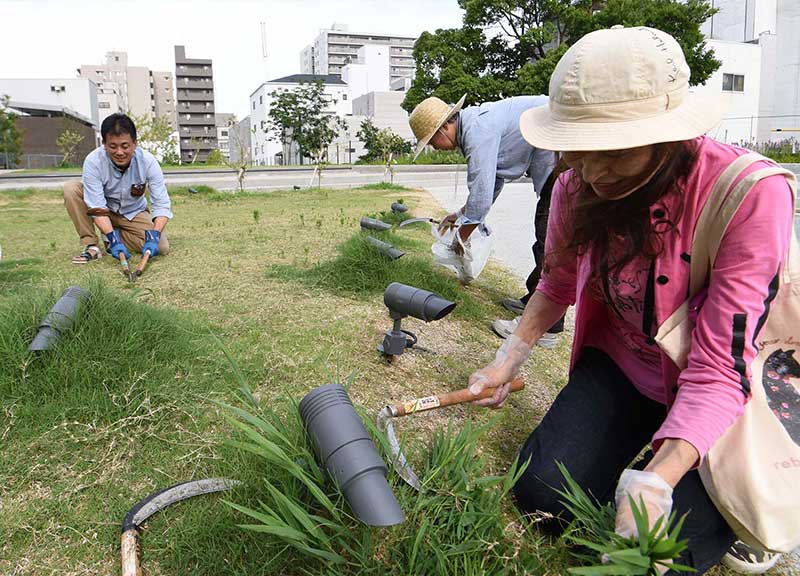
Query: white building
x,y
772,26
266,148
223,122
335,47
738,80
369,73
78,95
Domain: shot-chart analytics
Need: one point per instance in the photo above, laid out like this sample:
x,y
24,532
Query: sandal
x,y
91,252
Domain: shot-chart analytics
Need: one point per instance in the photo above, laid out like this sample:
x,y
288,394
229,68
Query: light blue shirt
x,y
106,186
496,152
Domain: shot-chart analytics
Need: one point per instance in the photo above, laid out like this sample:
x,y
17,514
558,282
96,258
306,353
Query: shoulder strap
x,y
718,211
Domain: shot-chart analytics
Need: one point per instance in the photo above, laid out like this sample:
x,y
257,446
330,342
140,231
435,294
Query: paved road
x,y
415,176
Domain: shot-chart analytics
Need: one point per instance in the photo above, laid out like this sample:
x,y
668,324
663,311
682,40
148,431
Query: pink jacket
x,y
706,397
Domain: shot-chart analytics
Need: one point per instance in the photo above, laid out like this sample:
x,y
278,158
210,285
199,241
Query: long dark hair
x,y
596,222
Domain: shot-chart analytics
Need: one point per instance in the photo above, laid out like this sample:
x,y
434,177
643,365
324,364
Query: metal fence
x,y
30,161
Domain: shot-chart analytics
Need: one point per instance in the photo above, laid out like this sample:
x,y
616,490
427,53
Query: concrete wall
x,y
40,135
140,100
741,20
164,97
383,108
78,94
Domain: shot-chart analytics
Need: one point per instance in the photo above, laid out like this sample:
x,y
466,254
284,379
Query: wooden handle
x,y
123,260
130,553
449,399
143,262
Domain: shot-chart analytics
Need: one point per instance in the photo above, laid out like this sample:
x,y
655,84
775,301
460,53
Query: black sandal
x,y
91,252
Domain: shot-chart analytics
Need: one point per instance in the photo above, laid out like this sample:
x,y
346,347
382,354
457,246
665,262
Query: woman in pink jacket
x,y
618,247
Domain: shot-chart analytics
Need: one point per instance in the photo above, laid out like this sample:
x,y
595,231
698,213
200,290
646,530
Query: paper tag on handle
x,y
421,404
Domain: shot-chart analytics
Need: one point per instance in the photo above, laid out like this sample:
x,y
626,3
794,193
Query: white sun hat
x,y
430,115
620,88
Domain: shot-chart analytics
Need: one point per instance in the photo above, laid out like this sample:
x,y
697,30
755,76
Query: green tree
x,y
10,137
215,157
510,47
381,143
302,116
157,136
68,142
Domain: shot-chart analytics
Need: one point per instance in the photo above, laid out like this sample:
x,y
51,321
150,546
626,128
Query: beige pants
x,y
132,231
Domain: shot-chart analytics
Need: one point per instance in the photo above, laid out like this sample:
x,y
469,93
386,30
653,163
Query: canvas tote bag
x,y
752,473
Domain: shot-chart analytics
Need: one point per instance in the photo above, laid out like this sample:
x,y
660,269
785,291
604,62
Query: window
x,y
344,96
733,83
260,98
254,104
104,105
116,58
57,88
223,133
208,115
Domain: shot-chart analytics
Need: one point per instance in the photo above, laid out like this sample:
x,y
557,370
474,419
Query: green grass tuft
x,y
362,271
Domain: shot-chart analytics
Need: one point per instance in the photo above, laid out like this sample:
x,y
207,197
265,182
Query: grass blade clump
x,y
462,523
360,270
593,529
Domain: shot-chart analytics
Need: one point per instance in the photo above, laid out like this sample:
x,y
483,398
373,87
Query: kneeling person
x,y
111,196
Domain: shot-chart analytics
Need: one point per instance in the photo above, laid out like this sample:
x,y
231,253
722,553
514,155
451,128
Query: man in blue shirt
x,y
111,196
489,138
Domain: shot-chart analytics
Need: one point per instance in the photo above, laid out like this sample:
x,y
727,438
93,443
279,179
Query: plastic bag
x,y
476,251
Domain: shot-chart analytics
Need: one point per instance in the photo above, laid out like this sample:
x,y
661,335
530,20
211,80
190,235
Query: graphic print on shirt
x,y
627,297
783,398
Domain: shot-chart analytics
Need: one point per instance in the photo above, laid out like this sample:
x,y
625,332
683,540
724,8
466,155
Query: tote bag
x,y
752,472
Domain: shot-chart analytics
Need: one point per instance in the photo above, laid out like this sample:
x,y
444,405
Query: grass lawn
x,y
132,400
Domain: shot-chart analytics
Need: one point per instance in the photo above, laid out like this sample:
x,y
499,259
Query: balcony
x,y
194,83
195,96
195,109
197,133
193,72
196,121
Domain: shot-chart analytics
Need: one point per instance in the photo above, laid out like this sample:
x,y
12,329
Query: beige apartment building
x,y
134,90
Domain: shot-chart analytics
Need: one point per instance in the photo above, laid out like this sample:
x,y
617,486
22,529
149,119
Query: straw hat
x,y
430,115
620,88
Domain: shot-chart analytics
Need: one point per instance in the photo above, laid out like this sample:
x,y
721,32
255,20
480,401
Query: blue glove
x,y
151,240
115,245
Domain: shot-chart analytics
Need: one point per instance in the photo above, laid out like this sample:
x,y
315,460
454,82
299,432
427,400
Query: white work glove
x,y
448,222
651,488
511,355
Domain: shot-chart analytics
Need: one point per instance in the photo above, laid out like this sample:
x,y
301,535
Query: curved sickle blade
x,y
415,220
399,462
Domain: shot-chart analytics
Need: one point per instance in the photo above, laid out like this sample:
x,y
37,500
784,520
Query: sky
x,y
52,38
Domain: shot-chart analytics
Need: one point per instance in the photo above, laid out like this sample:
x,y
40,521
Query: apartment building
x,y
336,47
134,90
194,84
223,122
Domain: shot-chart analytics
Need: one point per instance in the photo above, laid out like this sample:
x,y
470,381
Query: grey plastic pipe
x,y
387,249
405,300
344,447
373,224
60,319
398,208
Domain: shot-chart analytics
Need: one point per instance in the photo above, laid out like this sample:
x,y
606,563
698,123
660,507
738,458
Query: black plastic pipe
x,y
387,249
346,450
404,300
60,319
373,224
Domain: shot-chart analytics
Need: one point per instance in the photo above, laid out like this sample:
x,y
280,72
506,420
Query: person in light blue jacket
x,y
489,138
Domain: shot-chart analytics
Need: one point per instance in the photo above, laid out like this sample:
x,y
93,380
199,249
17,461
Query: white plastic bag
x,y
476,251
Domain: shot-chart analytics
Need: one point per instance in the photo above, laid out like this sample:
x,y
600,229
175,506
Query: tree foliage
x,y
510,47
302,115
10,137
68,142
156,135
380,143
